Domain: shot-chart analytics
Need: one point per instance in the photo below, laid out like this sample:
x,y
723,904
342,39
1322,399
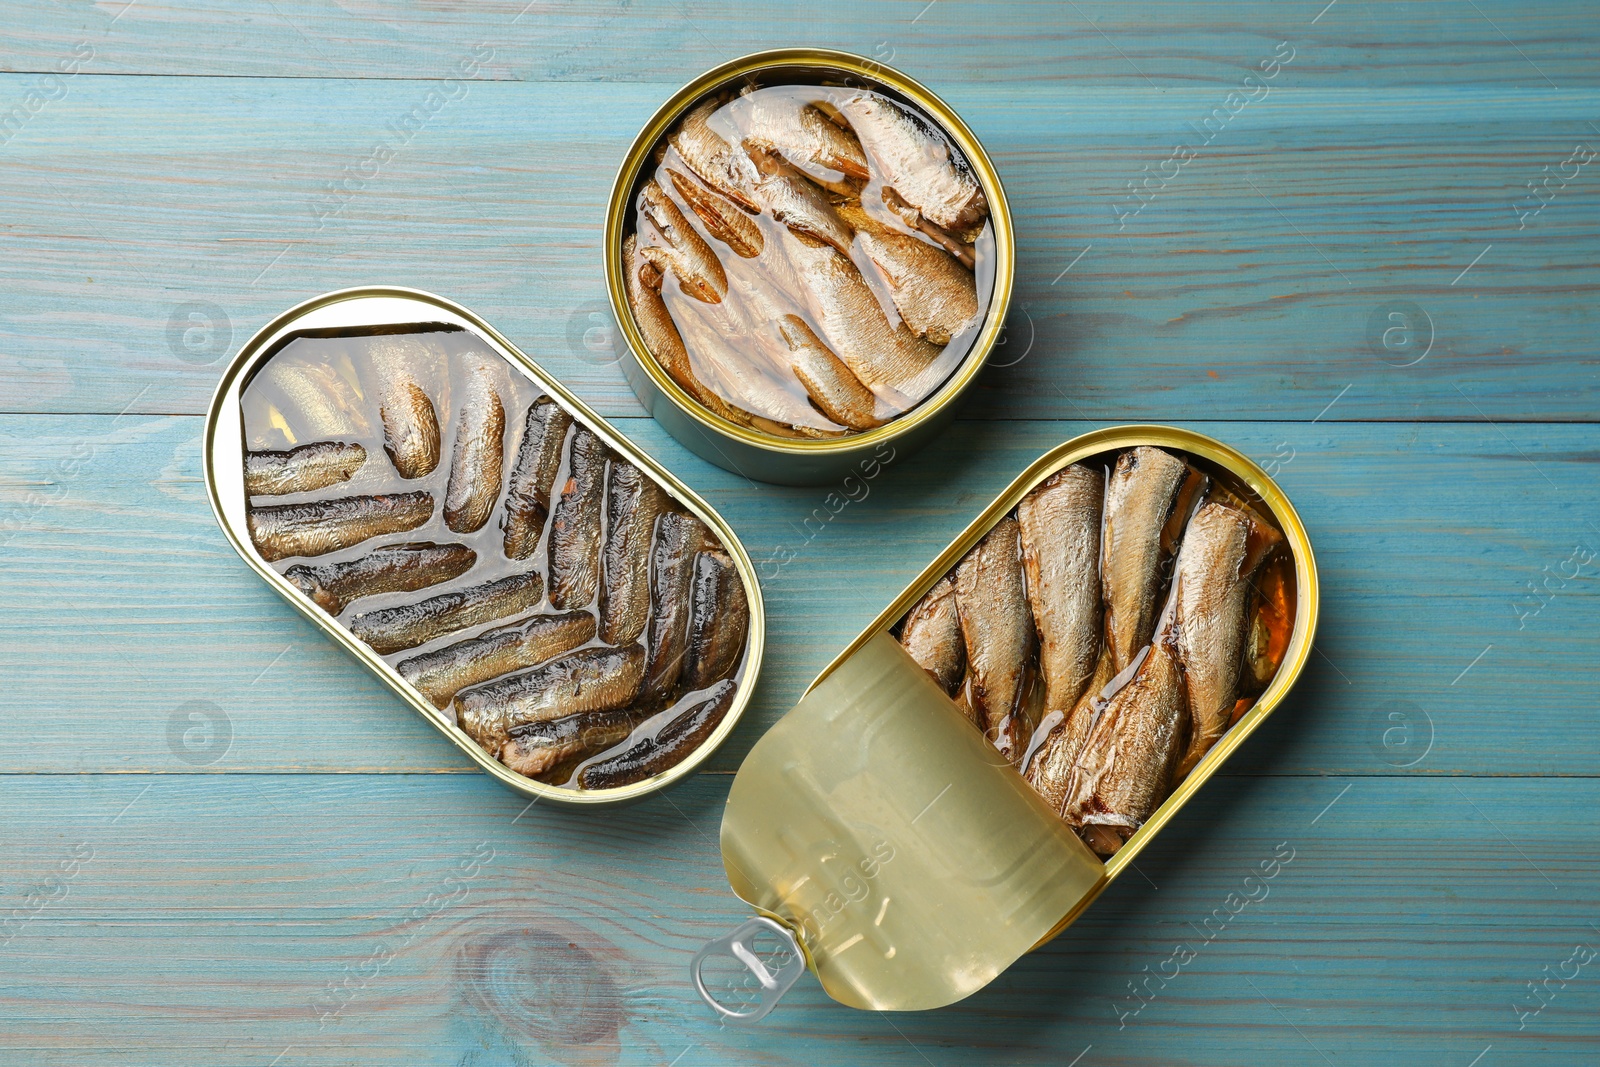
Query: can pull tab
x,y
774,969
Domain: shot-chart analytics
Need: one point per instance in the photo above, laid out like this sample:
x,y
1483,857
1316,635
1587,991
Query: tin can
x,y
748,450
368,312
882,839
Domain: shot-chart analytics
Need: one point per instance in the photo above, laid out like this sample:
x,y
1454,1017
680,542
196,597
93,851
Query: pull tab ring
x,y
772,981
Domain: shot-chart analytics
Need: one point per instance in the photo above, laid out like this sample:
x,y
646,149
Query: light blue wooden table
x,y
221,843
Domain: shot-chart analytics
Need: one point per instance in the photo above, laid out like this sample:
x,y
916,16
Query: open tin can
x,y
523,637
882,838
759,319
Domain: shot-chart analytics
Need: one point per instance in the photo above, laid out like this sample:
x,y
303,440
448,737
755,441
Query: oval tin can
x,y
366,311
745,450
903,859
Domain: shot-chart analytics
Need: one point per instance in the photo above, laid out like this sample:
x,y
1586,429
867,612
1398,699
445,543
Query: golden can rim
x,y
1307,599
850,64
260,345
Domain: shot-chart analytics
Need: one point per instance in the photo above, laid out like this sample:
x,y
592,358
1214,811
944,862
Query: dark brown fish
x,y
932,635
916,161
672,244
711,157
301,470
575,524
536,747
826,152
633,504
390,569
1049,769
679,539
719,620
409,625
538,462
642,280
283,530
935,295
837,392
1148,500
1060,524
1222,548
440,675
723,219
791,198
590,679
479,453
410,423
1126,765
998,632
674,741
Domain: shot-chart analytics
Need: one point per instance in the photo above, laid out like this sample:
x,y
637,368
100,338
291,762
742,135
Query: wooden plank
x,y
216,920
147,211
1169,43
123,604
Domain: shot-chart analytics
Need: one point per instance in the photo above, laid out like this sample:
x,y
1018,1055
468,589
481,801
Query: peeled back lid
x,y
912,862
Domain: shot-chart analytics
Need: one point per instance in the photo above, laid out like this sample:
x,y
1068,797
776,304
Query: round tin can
x,y
885,844
372,310
746,450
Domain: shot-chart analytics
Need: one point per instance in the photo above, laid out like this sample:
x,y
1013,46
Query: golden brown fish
x,y
301,470
951,243
479,455
791,198
1222,548
1125,768
712,158
723,219
317,401
409,625
642,280
679,538
998,633
884,357
725,348
574,549
838,393
1060,524
935,295
1271,620
931,635
1148,499
671,743
441,674
916,161
390,569
672,244
1049,769
719,620
590,679
536,747
825,152
633,504
538,462
314,529
398,364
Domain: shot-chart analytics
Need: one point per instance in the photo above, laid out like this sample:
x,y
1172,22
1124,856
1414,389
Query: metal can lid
x,y
911,862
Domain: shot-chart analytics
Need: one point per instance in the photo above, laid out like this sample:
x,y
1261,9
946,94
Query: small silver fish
x,y
998,632
935,295
824,151
672,244
1147,502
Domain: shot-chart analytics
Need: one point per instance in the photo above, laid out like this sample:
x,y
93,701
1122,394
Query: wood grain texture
x,y
1165,42
224,921
224,844
1247,288
119,561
